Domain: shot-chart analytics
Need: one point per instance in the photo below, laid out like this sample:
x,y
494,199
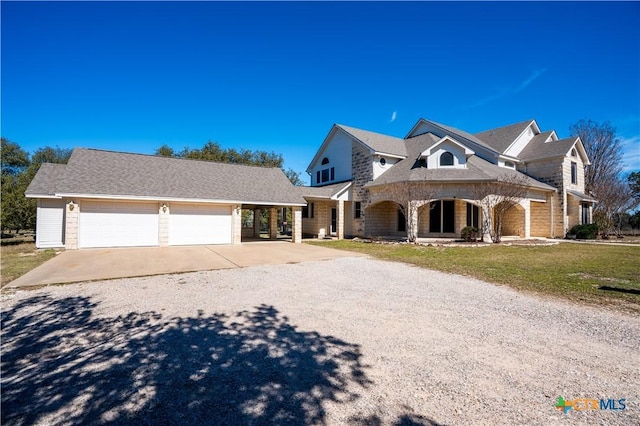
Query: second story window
x,y
574,173
325,160
325,175
446,159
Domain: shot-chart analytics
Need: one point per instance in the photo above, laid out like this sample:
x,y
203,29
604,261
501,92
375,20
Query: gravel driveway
x,y
346,341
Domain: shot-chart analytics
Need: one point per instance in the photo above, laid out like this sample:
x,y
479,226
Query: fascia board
x,y
173,199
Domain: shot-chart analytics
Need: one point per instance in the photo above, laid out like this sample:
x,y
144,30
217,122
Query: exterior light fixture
x,y
164,207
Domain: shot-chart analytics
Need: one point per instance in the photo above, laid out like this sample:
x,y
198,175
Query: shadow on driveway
x,y
62,364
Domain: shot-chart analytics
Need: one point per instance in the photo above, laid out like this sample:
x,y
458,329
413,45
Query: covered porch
x,y
270,223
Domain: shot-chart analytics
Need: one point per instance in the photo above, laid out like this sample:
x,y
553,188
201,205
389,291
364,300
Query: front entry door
x,y
334,217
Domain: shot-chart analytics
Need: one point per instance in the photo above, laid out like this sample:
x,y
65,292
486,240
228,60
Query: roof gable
x,y
440,130
467,152
503,137
540,150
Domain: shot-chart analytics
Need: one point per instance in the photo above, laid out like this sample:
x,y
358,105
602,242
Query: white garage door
x,y
199,224
115,224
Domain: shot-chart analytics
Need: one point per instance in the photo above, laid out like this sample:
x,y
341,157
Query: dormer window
x,y
325,160
446,159
383,162
509,164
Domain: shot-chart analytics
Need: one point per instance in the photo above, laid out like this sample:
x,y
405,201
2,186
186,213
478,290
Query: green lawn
x,y
587,273
18,259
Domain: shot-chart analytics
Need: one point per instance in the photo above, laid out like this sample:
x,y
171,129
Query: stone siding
x,y
362,169
71,225
540,215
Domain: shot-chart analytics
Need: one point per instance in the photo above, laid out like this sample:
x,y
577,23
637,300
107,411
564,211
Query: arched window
x,y
325,160
446,159
573,152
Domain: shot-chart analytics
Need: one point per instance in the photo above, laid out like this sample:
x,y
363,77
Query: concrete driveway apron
x,y
109,263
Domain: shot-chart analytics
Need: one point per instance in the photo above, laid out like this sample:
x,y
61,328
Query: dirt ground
x,y
345,341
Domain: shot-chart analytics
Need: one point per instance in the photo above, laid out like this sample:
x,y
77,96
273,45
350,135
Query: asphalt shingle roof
x,y
96,172
326,191
377,141
538,150
477,170
501,138
45,181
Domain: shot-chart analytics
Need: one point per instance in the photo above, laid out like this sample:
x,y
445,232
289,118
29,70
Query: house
x,y
356,175
114,199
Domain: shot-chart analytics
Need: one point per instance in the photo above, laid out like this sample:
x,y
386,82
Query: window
x,y
402,222
318,176
446,159
357,210
586,214
442,216
472,215
325,175
383,162
573,152
325,160
312,208
509,164
305,211
574,173
333,173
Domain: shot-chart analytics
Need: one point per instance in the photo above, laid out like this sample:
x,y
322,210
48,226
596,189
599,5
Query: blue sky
x,y
132,76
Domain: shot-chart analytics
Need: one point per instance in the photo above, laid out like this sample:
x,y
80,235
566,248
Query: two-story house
x,y
356,174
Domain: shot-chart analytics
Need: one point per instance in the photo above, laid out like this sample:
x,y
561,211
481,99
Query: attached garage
x,y
118,199
117,224
191,224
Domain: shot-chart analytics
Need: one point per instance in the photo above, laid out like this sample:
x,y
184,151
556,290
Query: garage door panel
x,y
113,224
191,224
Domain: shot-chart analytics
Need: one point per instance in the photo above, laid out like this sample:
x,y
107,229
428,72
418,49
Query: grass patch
x,y
18,259
592,274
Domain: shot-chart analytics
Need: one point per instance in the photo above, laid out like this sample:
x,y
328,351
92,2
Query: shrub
x,y
585,232
469,233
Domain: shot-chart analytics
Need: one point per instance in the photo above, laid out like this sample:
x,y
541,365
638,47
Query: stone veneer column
x,y
527,217
236,224
163,225
340,220
296,234
71,226
273,223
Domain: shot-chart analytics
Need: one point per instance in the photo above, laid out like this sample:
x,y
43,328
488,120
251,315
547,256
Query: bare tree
x,y
603,177
604,150
615,198
496,198
410,196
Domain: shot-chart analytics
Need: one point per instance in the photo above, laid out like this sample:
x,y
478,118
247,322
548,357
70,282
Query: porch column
x,y
527,218
487,223
296,228
413,218
321,211
236,224
257,214
340,220
273,223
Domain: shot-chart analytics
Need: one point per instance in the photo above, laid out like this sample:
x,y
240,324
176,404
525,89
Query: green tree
x,y
165,151
19,212
14,159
